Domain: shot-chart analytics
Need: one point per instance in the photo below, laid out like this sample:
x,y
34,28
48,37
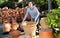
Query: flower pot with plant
x,y
53,21
45,32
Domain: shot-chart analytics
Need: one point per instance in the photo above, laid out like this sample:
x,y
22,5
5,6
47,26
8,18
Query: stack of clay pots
x,y
14,32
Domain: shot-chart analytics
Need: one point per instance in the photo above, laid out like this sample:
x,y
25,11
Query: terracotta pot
x,y
17,15
14,25
14,34
5,14
6,26
29,17
1,19
46,34
59,36
29,28
42,23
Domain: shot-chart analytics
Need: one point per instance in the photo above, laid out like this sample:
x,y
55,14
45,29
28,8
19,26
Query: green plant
x,y
58,2
53,21
1,1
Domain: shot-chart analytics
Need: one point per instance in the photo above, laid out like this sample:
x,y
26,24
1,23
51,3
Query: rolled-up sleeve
x,y
26,14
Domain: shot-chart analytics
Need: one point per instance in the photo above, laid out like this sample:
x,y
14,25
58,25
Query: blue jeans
x,y
33,19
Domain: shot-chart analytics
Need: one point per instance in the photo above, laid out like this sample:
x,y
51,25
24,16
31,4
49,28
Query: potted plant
x,y
53,21
45,31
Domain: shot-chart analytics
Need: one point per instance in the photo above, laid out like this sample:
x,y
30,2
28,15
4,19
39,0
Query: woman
x,y
33,12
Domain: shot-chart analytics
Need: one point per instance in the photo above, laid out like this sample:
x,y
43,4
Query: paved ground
x,y
6,36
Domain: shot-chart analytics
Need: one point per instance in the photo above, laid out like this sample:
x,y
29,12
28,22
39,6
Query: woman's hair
x,y
32,2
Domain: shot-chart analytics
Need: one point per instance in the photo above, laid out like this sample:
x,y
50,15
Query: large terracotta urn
x,y
45,32
29,28
14,34
6,26
14,25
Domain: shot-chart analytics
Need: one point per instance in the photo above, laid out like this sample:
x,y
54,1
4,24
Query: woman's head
x,y
30,4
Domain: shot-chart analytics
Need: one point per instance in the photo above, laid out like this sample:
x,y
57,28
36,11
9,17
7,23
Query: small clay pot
x,y
1,19
42,23
14,25
59,36
6,26
14,34
46,34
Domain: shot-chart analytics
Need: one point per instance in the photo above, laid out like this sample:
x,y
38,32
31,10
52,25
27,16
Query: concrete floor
x,y
7,36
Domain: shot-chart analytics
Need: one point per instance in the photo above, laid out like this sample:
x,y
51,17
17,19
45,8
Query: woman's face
x,y
30,4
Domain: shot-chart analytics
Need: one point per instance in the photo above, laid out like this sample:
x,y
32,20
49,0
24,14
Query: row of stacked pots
x,y
29,29
7,27
17,13
11,28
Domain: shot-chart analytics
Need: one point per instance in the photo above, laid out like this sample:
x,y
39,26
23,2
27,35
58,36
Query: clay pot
x,y
46,34
17,15
14,34
6,26
5,14
29,28
28,18
42,23
14,25
59,36
1,19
